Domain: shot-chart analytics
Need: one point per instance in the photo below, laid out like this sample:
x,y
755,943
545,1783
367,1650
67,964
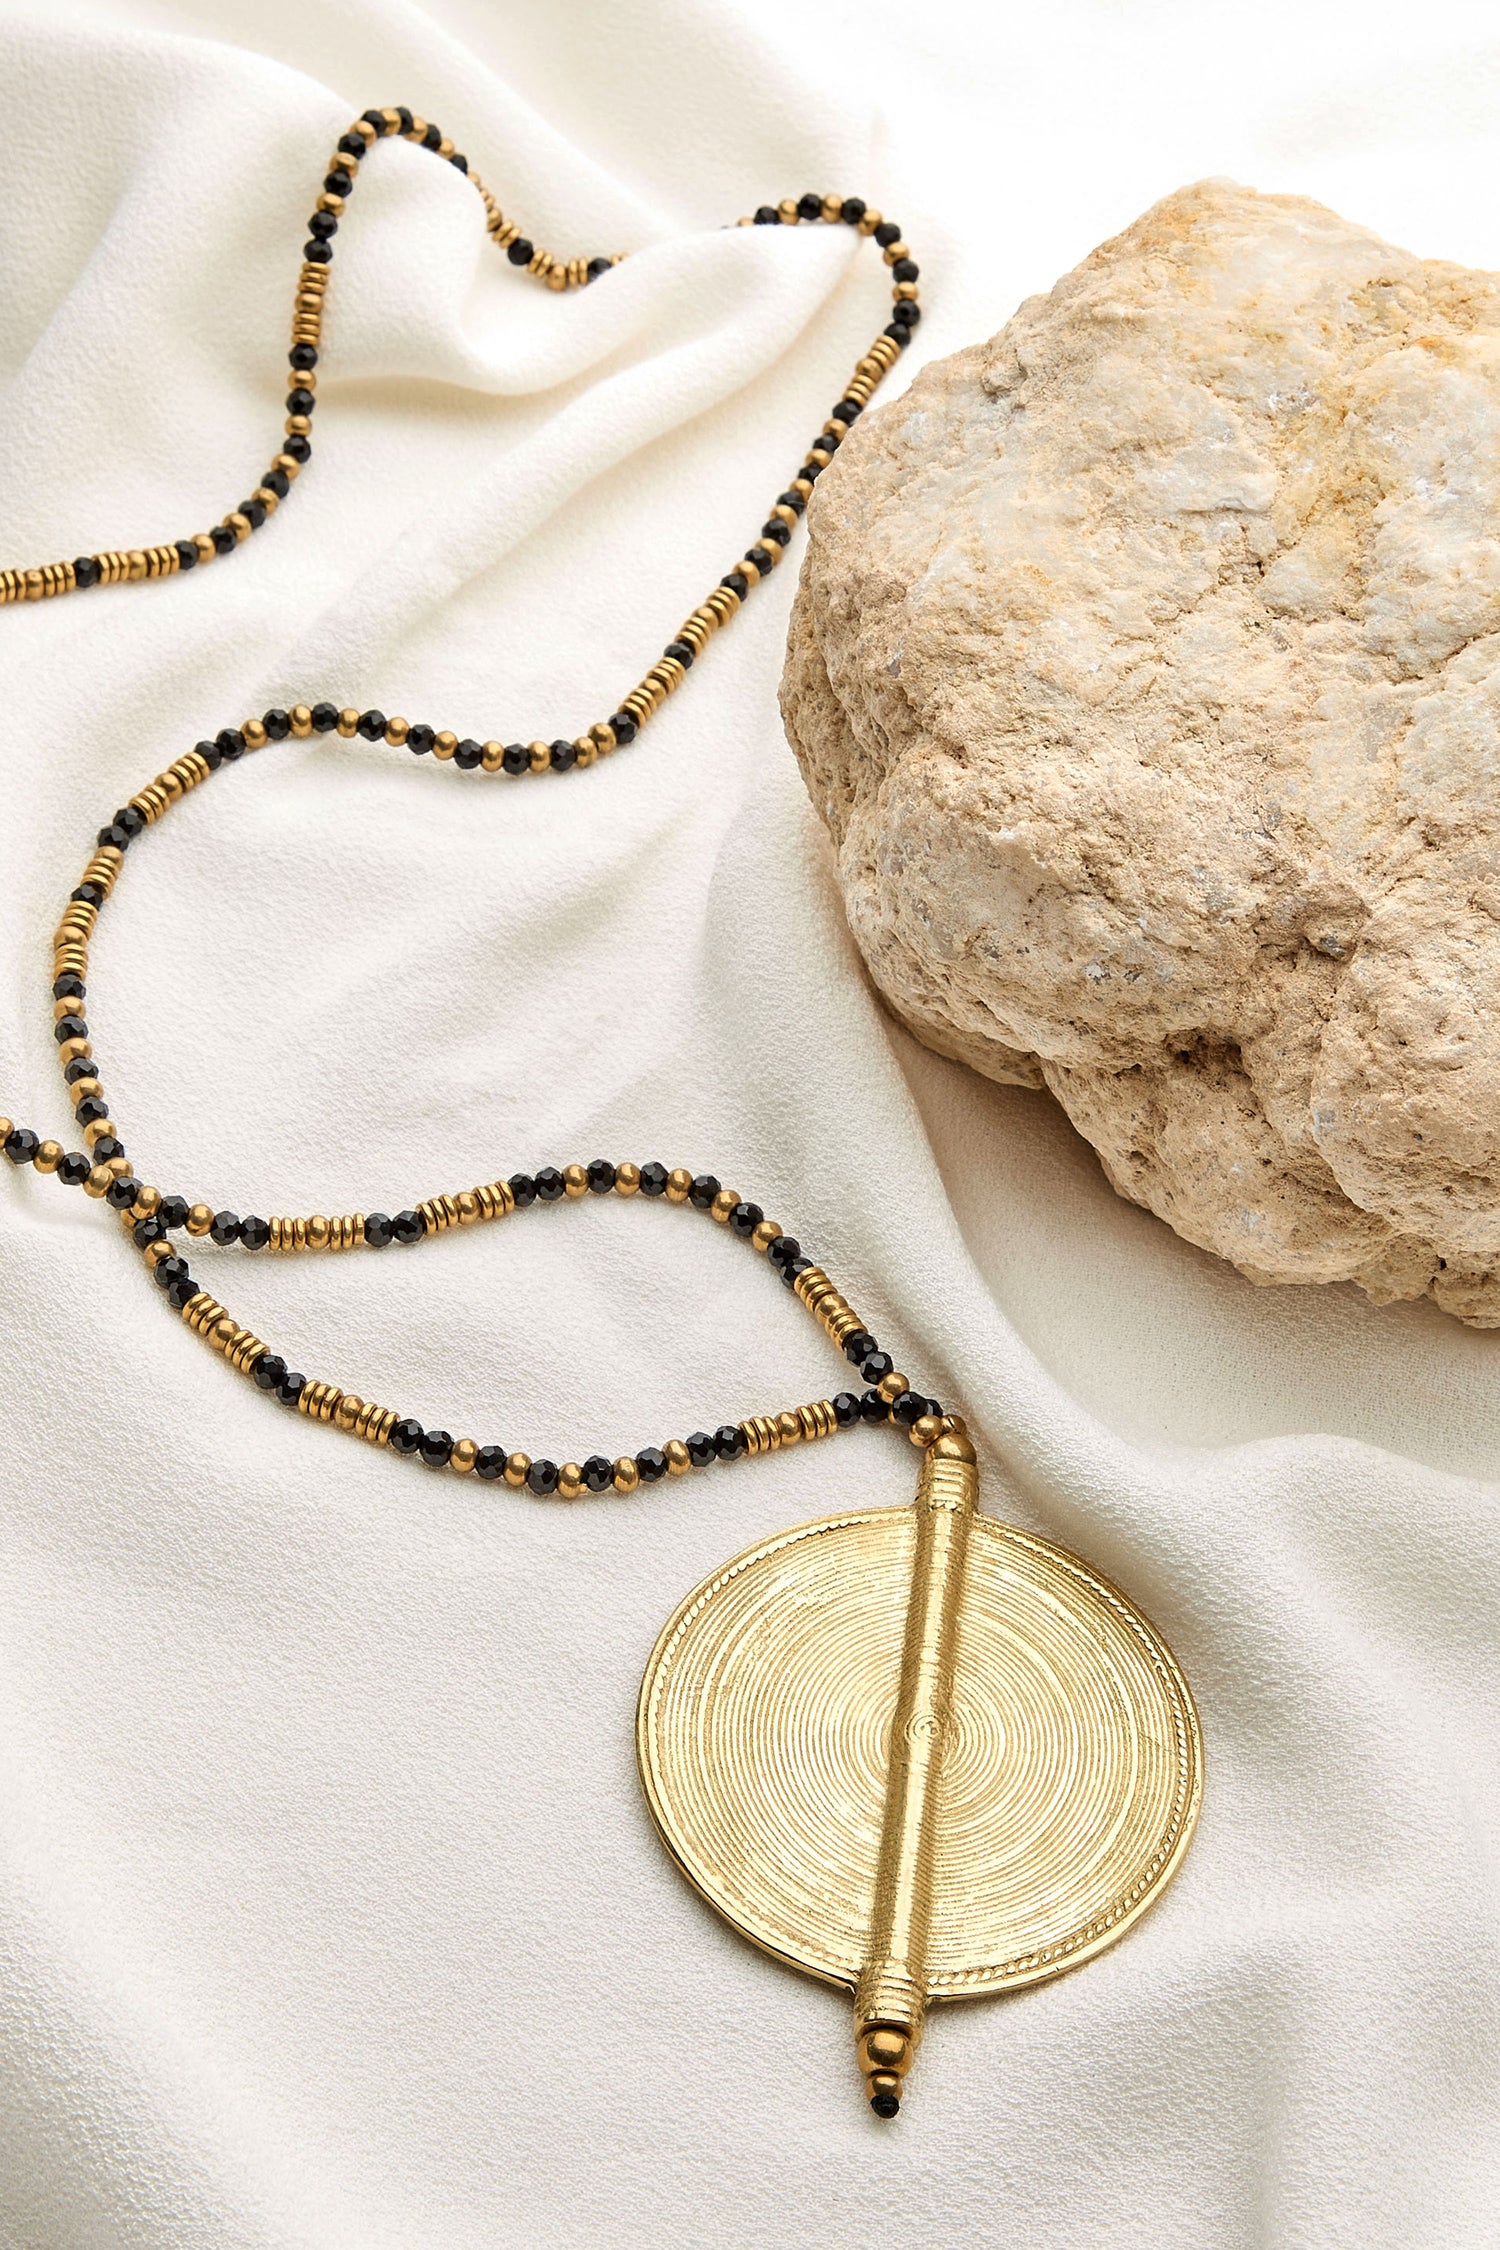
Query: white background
x,y
330,1918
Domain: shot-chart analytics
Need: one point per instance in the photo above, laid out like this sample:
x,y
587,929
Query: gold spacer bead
x,y
99,1130
891,1386
627,1475
444,744
289,465
396,731
71,1049
679,1460
98,1180
61,1008
147,1203
329,200
199,1219
570,1485
926,1429
47,1157
833,208
301,717
465,1453
207,551
82,1089
469,1211
492,757
539,756
348,723
789,1429
239,524
298,425
722,1204
870,222
894,251
587,749
255,734
765,1234
627,1179
516,1466
679,1181
317,1233
118,1167
575,1179
787,212
157,1254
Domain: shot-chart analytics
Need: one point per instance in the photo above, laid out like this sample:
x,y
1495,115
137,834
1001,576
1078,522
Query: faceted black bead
x,y
277,481
299,401
173,1212
317,253
21,1144
420,739
859,1346
406,1436
68,986
521,252
187,554
873,1407
267,1371
304,355
933,1405
886,233
299,447
224,1227
432,138
596,267
336,182
729,1441
623,727
885,2105
652,1464
85,571
550,1184
107,1149
774,528
371,725
82,1066
847,410
182,1292
737,583
75,1169
700,1449
352,144
378,1230
809,206
794,501
601,1176
325,717
211,754
792,1267
407,120
90,894
654,1179
254,513
255,1233
908,1407
291,1387
564,756
514,758
854,209
170,1270
785,1246
681,652
408,1227
437,1445
542,1477
223,539
876,1365
322,224
147,1231
523,1187
760,558
901,336
905,269
70,1027
906,314
468,753
703,1190
375,121
489,1463
845,1408
121,1193
767,215
114,834
231,742
598,1473
278,724
811,470
459,162
745,1218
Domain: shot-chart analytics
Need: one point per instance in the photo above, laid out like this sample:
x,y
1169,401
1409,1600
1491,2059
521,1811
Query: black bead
x,y
680,651
407,120
317,253
211,754
299,447
624,727
231,742
596,267
182,1293
224,1228
223,538
406,1436
89,893
761,560
468,753
703,1190
729,1441
652,1464
267,1371
700,1449
85,571
521,252
564,756
278,724
325,717
514,758
370,724
809,206
885,2105
906,313
173,1212
68,986
811,470
437,1446
121,1193
21,1144
489,1463
854,209
745,1218
901,336
737,583
82,1066
75,1169
408,1227
254,513
905,269
654,1179
336,182
774,528
601,1176
550,1184
767,215
107,1148
277,481
934,1405
187,554
847,410
147,1231
114,834
70,1027
291,1387
873,1408
542,1478
378,1230
523,1187
170,1270
352,144
304,355
598,1473
845,1408
299,401
794,501
432,138
459,162
908,1407
255,1233
784,1247
876,1365
375,121
793,1268
886,233
420,739
859,1346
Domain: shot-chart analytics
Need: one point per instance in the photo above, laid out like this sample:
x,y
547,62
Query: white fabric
x,y
330,1916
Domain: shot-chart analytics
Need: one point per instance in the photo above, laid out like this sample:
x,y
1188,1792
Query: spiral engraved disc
x,y
1070,1780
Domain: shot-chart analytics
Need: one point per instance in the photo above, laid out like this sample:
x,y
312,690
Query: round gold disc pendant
x,y
1070,1766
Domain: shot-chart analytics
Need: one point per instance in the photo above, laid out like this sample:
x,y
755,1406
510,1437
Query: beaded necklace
x,y
827,1815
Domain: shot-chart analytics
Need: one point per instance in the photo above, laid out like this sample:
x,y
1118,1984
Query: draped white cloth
x,y
330,1915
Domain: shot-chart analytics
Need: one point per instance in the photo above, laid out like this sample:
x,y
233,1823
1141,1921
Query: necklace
x,y
915,1752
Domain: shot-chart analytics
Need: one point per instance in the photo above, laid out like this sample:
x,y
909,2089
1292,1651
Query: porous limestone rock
x,y
1145,669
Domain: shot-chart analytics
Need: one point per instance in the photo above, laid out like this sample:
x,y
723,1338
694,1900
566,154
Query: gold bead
x,y
492,756
926,1429
118,1167
587,749
317,1232
207,551
895,250
61,1008
954,1425
99,1130
570,1481
83,1089
891,1386
396,731
516,1466
468,1208
787,212
678,1183
48,1156
298,425
348,723
289,465
465,1453
765,1234
199,1219
789,1428
156,1254
679,1460
723,1203
7,1127
147,1203
327,201
98,1180
575,1179
627,1475
239,523
870,222
627,1179
255,734
539,756
444,744
905,291
71,1049
301,716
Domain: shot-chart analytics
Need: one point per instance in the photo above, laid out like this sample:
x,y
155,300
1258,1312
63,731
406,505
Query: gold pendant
x,y
919,1753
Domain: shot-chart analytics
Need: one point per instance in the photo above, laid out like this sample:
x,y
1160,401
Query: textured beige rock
x,y
1146,672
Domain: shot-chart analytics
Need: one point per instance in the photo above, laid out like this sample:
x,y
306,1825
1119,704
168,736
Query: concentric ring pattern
x,y
1071,1776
